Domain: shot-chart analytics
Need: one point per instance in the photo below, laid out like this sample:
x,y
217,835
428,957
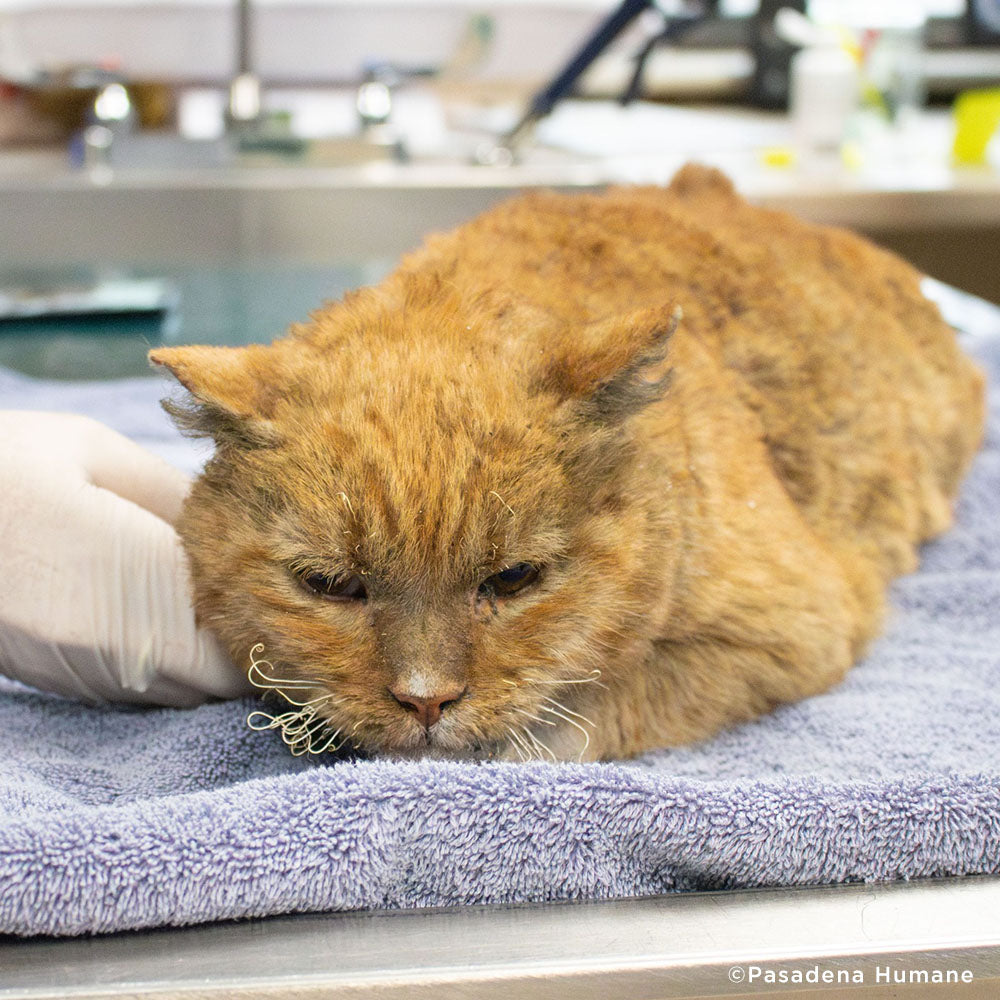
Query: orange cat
x,y
590,475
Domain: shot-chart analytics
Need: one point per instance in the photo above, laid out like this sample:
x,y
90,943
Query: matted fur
x,y
717,510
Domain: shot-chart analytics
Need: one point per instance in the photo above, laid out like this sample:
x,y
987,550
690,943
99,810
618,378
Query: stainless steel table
x,y
841,941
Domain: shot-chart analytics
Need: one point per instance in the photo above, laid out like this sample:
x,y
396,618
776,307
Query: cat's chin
x,y
449,740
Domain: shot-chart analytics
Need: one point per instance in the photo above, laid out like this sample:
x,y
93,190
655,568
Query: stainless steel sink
x,y
162,151
165,151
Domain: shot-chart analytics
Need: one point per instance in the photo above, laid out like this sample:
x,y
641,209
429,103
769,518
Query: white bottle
x,y
824,94
824,82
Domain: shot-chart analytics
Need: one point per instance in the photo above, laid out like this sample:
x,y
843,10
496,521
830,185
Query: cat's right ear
x,y
232,392
613,369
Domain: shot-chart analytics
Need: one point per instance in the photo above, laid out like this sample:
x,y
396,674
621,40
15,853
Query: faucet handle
x,y
244,105
374,101
113,107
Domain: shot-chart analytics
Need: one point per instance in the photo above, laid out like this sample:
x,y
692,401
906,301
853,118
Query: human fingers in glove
x,y
94,588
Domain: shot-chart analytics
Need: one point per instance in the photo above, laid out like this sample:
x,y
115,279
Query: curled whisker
x,y
318,700
303,730
329,744
575,724
542,747
281,721
504,502
343,496
521,743
569,711
271,721
292,738
594,677
290,688
305,742
512,740
259,679
531,753
306,723
535,718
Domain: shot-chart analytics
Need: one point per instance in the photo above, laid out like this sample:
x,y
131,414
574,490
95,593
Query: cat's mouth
x,y
447,739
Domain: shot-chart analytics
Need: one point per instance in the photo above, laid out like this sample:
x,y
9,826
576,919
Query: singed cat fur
x,y
712,513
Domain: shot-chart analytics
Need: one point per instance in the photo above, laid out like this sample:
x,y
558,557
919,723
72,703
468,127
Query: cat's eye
x,y
509,581
342,587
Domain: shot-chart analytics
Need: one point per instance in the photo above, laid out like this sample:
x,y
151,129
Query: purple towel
x,y
120,818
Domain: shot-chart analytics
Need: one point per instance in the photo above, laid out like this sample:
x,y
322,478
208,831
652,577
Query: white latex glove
x,y
94,587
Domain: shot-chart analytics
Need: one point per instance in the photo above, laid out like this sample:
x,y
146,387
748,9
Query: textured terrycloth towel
x,y
126,818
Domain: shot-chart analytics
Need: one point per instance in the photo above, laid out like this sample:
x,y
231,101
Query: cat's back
x,y
869,410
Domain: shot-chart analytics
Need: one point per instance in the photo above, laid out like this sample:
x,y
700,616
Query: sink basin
x,y
227,303
170,152
165,151
162,151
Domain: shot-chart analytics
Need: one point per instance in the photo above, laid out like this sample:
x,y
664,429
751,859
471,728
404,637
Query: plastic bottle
x,y
824,82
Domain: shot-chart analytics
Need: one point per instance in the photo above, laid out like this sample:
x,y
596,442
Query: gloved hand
x,y
94,587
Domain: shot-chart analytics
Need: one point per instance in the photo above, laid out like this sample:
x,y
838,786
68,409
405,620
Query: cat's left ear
x,y
232,391
614,368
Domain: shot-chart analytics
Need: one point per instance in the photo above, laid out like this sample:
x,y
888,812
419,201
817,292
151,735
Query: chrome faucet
x,y
373,102
111,115
244,105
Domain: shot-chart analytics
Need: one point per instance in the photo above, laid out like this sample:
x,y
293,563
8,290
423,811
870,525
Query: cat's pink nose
x,y
427,710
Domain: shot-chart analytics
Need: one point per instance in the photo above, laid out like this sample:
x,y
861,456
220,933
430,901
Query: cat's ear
x,y
232,392
614,368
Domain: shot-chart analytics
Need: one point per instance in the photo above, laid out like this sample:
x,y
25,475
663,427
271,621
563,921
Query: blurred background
x,y
209,170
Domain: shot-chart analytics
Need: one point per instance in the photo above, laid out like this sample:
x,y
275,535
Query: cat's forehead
x,y
417,446
414,489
